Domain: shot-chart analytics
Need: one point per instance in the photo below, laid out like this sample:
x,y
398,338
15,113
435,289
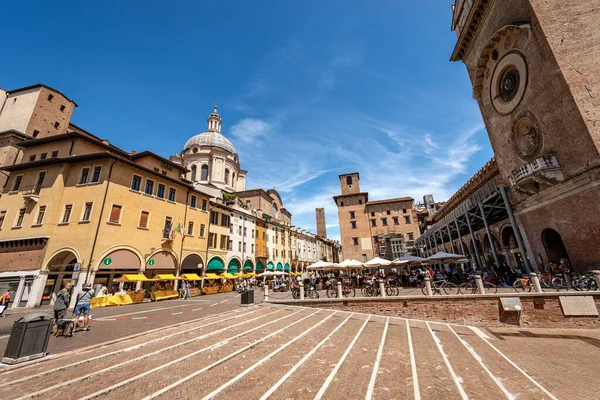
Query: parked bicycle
x,y
470,287
309,291
439,286
347,291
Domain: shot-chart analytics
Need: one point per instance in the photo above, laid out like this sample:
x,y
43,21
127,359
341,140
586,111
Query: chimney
x,y
133,152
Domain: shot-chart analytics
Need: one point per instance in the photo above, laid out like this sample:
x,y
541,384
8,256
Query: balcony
x,y
32,192
536,174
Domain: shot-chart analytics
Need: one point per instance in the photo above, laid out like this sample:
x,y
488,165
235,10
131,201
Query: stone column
x,y
479,284
535,281
19,292
477,258
382,288
301,291
516,230
339,290
266,291
489,235
37,289
428,290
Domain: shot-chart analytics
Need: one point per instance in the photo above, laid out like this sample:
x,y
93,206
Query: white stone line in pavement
x,y
127,349
337,367
177,313
264,359
178,360
142,357
476,356
525,374
479,333
413,364
140,312
134,347
457,380
4,337
371,387
228,357
303,360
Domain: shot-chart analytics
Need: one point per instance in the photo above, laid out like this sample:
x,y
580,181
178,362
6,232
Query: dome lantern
x,y
214,120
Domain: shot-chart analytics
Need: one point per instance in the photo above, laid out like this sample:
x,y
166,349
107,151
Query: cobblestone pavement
x,y
278,352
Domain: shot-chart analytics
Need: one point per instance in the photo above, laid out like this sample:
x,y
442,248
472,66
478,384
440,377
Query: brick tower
x,y
321,225
534,69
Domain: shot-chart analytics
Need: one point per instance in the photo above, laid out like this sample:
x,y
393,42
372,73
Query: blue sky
x,y
307,89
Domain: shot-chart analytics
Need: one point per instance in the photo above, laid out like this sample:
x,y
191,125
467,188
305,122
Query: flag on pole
x,y
180,229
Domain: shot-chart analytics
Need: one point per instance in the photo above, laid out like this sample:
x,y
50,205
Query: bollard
x,y
479,284
266,292
596,275
339,290
535,281
428,286
382,288
301,292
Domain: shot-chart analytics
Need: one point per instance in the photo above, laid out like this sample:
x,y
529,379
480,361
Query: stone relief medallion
x,y
527,136
508,83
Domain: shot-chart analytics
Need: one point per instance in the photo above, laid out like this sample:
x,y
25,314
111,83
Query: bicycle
x,y
309,292
347,291
470,287
439,285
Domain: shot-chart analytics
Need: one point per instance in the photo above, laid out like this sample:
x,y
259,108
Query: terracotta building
x,y
534,74
384,228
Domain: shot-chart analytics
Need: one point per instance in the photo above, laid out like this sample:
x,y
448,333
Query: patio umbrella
x,y
349,264
442,257
408,260
320,265
377,262
273,273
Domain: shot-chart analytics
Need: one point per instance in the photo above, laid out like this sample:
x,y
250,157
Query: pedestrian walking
x,y
83,306
4,301
62,302
187,287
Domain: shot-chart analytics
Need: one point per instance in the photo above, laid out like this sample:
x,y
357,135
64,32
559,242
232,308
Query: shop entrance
x,y
60,272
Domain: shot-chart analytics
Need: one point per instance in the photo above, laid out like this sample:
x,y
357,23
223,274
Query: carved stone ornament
x,y
527,136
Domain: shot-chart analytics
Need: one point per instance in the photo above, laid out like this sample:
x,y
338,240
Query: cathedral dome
x,y
210,139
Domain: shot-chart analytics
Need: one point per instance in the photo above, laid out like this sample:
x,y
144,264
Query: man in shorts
x,y
84,300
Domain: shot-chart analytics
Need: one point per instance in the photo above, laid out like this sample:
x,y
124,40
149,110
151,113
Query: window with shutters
x,y
85,175
19,220
160,192
67,214
224,242
204,204
87,212
211,238
115,214
172,192
144,215
193,200
202,229
190,230
40,216
96,174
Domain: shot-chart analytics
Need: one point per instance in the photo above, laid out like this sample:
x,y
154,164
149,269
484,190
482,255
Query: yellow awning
x,y
250,274
190,277
211,276
227,275
132,278
166,277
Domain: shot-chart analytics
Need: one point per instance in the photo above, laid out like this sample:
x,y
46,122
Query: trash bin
x,y
248,298
28,338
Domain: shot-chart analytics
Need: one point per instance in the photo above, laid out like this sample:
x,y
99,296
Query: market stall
x,y
212,283
122,298
194,291
163,288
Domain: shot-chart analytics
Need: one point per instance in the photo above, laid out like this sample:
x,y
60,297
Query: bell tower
x,y
531,65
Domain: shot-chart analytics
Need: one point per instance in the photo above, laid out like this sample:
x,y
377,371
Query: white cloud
x,y
251,130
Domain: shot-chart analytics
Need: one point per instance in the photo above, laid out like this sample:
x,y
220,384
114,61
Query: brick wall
x,y
469,310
